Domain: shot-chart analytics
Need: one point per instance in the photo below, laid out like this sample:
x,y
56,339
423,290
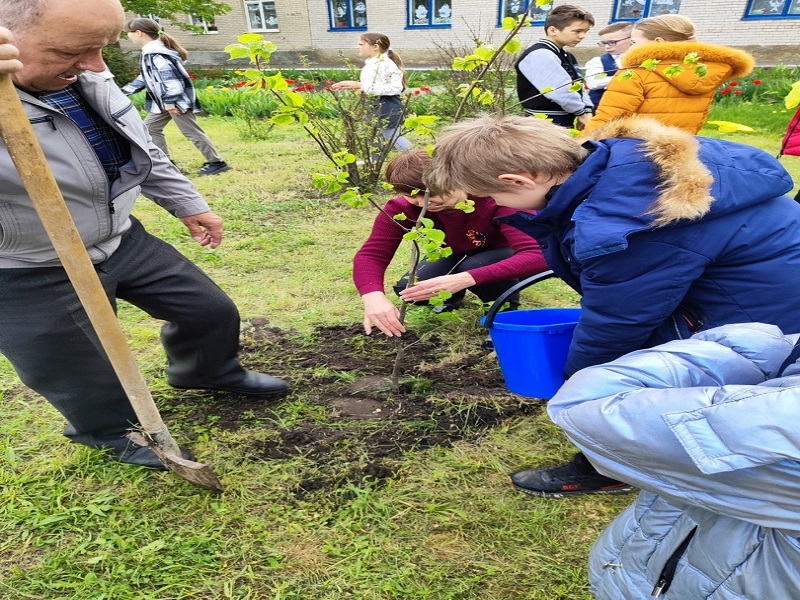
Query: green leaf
x,y
508,23
513,46
459,64
691,59
247,38
282,119
673,71
576,87
541,3
237,51
293,98
625,75
547,89
701,70
484,53
650,64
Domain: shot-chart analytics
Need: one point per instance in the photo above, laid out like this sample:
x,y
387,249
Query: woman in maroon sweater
x,y
487,259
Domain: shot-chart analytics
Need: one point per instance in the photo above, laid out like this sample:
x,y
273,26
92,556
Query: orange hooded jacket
x,y
681,101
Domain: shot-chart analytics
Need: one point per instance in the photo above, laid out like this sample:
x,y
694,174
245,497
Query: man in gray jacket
x,y
102,158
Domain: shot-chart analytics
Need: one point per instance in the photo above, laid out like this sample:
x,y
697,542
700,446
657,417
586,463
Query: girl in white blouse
x,y
384,78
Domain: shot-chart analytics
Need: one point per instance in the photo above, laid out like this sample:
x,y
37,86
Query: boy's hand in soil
x,y
429,288
381,312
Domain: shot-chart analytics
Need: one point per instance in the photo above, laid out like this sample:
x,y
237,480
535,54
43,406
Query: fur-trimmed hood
x,y
722,62
684,191
643,175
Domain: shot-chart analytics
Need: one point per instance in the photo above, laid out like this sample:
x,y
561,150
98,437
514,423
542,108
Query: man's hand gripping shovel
x,y
19,138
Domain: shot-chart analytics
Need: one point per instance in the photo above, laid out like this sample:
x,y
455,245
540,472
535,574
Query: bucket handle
x,y
493,310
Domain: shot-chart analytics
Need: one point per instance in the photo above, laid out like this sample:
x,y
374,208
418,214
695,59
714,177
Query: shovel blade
x,y
168,453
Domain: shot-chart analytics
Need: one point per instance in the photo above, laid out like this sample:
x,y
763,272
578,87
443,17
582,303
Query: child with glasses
x,y
547,64
615,40
681,100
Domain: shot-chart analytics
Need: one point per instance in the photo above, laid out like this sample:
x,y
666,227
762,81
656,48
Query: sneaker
x,y
577,476
212,168
487,345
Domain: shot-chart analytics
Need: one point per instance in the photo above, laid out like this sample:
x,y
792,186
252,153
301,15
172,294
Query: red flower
x,y
727,90
738,92
416,92
192,75
757,82
733,83
290,81
425,89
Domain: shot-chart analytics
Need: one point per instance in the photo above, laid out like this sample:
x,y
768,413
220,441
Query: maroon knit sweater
x,y
465,233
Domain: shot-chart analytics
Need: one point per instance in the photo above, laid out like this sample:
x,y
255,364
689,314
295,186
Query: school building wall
x,y
305,33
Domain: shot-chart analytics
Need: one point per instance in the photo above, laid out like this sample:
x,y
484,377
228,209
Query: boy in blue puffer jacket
x,y
662,233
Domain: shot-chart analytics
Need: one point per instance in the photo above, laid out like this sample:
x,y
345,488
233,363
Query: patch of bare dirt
x,y
342,415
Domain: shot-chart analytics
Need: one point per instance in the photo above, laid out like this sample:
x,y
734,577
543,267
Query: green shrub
x,y
123,64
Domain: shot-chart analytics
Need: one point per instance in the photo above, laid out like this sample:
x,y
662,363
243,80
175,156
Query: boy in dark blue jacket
x,y
662,233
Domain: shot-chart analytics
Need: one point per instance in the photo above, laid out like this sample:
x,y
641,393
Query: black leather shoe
x,y
142,456
578,476
249,383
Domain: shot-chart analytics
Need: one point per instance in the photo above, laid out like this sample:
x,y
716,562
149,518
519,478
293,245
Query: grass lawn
x,y
440,523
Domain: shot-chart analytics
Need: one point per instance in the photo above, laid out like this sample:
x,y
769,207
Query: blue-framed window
x,y
772,9
429,13
348,14
633,10
514,8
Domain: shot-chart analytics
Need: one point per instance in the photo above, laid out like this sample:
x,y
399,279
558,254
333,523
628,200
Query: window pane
x,y
443,13
630,9
794,9
539,13
255,16
270,15
514,8
360,13
421,16
664,7
767,7
340,13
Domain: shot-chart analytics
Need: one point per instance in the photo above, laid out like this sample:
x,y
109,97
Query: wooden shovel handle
x,y
23,146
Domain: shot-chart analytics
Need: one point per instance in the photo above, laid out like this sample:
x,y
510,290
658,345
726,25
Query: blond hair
x,y
614,27
671,28
471,155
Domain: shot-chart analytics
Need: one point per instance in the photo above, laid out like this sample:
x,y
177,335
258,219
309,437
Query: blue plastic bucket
x,y
532,348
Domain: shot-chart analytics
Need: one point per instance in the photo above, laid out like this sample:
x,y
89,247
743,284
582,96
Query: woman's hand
x,y
345,85
381,312
429,288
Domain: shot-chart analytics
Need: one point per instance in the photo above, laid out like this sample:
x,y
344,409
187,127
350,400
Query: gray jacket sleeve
x,y
543,69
